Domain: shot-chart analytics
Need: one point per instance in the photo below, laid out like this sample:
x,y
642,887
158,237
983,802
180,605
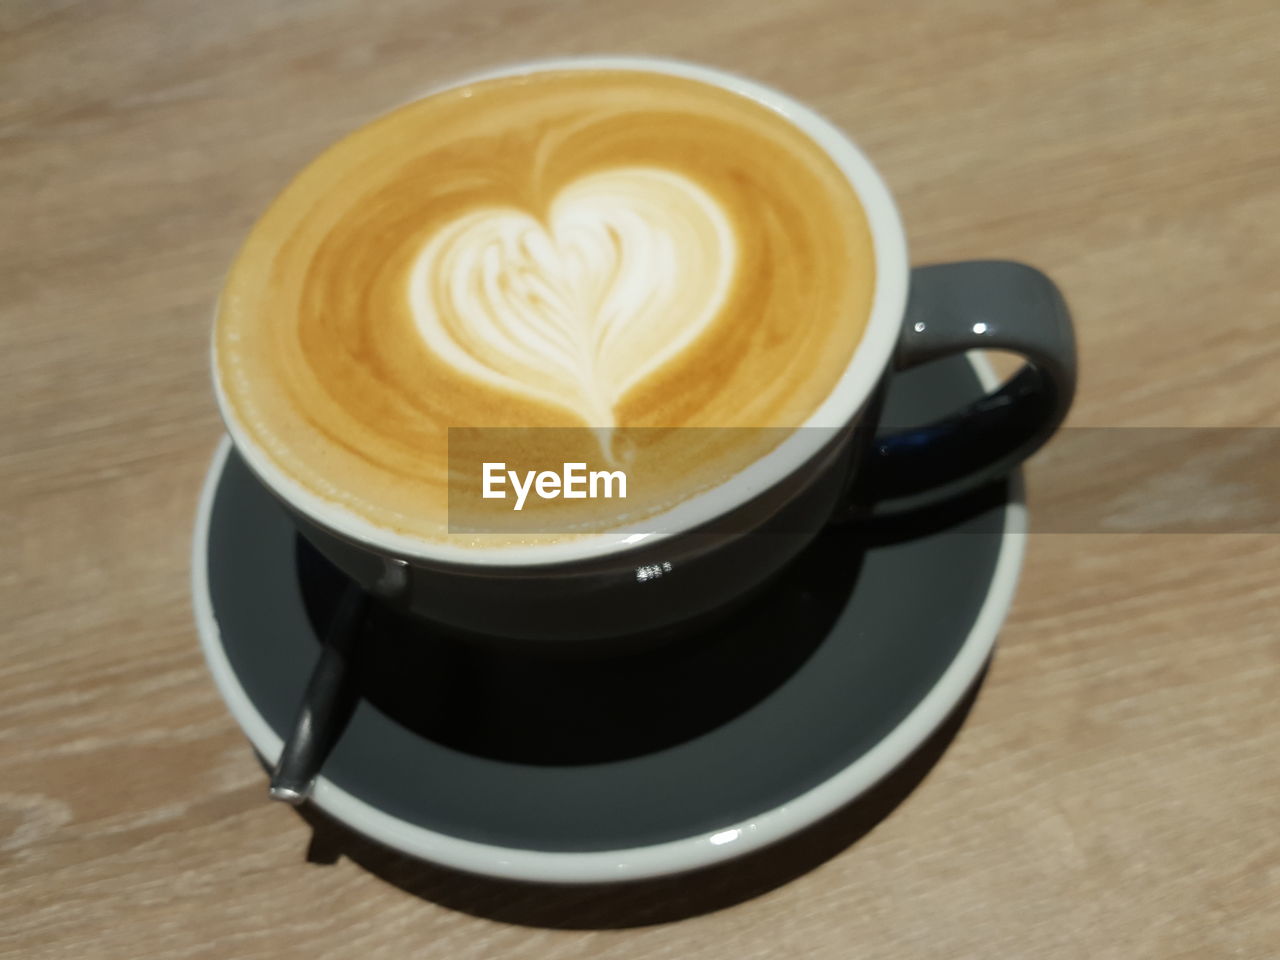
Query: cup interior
x,y
840,408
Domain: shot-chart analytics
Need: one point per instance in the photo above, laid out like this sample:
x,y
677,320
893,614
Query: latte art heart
x,y
629,267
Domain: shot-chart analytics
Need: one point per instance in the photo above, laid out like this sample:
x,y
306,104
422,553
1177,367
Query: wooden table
x,y
1115,790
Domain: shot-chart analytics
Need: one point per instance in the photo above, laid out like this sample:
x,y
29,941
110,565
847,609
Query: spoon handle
x,y
326,704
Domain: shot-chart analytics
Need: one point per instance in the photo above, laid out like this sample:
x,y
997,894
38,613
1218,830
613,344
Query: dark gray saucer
x,y
509,764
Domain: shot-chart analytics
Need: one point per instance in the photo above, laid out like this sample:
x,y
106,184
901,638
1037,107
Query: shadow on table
x,y
636,903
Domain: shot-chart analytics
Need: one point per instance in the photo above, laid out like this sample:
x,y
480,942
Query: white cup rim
x,y
841,406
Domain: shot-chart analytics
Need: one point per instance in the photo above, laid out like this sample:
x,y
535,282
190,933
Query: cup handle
x,y
990,305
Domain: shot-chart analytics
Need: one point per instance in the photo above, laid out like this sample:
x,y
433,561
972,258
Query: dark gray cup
x,y
607,587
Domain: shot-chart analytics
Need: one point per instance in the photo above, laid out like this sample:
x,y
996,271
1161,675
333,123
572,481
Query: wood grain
x,y
1114,791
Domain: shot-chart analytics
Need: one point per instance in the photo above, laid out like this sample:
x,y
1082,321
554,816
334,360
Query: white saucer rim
x,y
672,856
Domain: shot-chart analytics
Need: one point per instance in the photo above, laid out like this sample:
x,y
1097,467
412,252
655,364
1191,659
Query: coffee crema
x,y
563,248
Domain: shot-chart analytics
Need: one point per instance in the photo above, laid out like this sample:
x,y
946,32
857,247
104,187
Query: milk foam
x,y
619,249
628,267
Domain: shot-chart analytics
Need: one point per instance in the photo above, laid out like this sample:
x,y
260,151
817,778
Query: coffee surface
x,y
568,248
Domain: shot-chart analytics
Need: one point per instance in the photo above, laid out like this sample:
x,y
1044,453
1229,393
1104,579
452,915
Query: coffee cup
x,y
314,435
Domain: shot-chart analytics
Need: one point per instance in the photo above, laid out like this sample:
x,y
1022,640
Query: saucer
x,y
511,765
